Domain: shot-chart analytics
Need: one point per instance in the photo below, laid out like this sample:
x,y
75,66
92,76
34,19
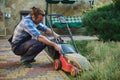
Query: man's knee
x,y
39,46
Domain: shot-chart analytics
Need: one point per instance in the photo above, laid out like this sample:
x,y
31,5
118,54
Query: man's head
x,y
37,15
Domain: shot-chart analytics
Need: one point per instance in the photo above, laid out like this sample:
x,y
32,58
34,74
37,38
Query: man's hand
x,y
46,41
57,47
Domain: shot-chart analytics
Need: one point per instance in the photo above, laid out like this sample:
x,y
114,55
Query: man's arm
x,y
46,41
49,31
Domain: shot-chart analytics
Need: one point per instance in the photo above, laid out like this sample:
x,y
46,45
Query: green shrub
x,y
103,22
116,3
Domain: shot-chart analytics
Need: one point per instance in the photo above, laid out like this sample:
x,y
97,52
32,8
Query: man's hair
x,y
37,11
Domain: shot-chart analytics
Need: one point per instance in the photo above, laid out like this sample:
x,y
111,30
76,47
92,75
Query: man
x,y
27,40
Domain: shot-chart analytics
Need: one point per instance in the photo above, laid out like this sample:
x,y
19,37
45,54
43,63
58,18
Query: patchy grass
x,y
105,58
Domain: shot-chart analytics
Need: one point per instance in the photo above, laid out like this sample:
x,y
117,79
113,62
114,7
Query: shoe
x,y
27,64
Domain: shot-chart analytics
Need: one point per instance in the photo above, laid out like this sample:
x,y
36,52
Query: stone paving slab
x,y
12,69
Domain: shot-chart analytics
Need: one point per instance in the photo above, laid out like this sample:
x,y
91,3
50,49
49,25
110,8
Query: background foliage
x,y
104,22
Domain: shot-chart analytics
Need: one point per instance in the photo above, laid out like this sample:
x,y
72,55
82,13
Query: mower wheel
x,y
74,72
57,64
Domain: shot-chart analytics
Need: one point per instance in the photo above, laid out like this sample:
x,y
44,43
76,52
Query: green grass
x,y
105,58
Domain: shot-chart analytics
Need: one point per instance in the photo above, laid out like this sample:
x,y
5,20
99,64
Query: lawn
x,y
104,57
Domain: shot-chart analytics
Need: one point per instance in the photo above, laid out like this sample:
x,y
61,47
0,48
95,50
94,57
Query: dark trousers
x,y
29,49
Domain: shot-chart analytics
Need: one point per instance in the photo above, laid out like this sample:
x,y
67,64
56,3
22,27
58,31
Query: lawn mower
x,y
69,60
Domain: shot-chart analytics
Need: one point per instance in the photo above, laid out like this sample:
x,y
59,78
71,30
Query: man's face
x,y
39,19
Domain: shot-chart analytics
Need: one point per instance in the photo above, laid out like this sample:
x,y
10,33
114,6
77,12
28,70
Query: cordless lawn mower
x,y
68,59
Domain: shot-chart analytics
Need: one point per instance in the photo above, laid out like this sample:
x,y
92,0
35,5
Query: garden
x,y
103,54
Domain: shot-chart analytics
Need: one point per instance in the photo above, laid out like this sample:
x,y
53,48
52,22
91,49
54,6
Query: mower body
x,y
68,60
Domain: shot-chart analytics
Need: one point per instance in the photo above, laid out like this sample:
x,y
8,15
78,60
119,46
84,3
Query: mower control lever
x,y
59,40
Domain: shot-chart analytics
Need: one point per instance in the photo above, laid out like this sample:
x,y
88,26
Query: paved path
x,y
80,37
12,69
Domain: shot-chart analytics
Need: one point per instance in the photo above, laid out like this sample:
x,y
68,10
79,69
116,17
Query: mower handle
x,y
59,40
